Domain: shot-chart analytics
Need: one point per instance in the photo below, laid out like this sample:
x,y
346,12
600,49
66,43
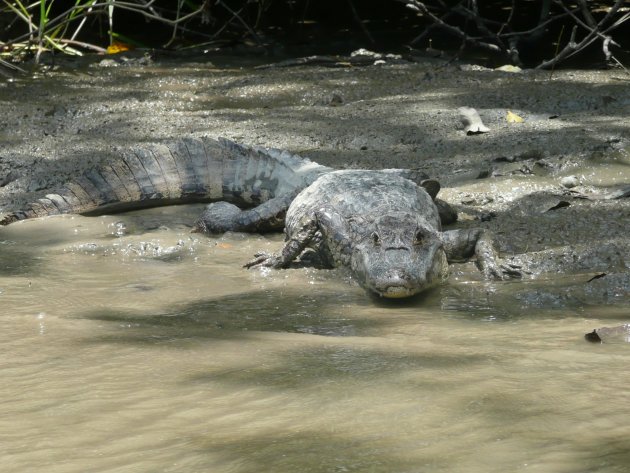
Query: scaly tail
x,y
185,171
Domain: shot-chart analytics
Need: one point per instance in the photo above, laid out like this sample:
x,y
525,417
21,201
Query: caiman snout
x,y
400,272
397,283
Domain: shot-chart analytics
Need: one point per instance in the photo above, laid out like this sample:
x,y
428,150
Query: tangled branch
x,y
504,37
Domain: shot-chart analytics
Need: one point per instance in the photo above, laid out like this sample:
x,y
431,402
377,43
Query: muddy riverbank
x,y
133,345
525,181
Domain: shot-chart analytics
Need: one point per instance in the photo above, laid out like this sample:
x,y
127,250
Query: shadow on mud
x,y
17,262
235,316
382,452
320,452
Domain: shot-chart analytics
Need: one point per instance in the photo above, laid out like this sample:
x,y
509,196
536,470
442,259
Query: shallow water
x,y
128,345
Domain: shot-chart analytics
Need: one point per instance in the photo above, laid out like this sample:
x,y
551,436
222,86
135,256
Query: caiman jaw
x,y
396,292
402,279
396,285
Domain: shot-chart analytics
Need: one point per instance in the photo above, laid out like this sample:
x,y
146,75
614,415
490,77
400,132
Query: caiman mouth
x,y
396,292
396,284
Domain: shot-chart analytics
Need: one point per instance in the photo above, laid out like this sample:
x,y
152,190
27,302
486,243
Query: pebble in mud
x,y
386,117
569,182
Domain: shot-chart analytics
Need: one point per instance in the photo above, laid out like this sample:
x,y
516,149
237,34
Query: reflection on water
x,y
151,350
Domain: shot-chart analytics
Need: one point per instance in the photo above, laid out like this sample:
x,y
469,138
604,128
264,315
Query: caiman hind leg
x,y
461,245
221,217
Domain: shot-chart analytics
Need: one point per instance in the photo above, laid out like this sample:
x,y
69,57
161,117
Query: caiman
x,y
385,226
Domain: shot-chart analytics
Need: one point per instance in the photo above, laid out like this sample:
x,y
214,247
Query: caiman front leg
x,y
325,224
461,245
291,250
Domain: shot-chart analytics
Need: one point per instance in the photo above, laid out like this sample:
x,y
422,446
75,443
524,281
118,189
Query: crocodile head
x,y
398,255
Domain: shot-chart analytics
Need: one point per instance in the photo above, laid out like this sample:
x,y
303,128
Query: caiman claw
x,y
501,271
489,262
263,259
511,270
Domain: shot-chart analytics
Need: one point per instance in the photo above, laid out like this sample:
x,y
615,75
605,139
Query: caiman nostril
x,y
394,275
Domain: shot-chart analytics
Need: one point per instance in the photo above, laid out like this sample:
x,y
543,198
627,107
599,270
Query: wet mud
x,y
541,185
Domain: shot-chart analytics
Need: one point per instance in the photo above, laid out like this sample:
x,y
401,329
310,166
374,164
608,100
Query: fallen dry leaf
x,y
513,118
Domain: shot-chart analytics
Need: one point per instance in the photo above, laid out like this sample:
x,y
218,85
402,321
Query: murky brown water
x,y
119,356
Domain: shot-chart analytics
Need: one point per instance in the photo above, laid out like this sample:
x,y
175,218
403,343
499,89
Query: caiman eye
x,y
375,238
419,238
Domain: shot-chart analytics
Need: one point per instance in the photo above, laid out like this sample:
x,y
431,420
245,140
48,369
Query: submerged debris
x,y
619,334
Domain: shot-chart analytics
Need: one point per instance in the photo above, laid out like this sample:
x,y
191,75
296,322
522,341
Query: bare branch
x,y
450,28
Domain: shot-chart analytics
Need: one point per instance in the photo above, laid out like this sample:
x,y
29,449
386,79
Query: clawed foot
x,y
511,270
503,271
263,259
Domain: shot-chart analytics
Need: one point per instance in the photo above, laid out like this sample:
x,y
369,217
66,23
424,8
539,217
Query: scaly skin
x,y
386,229
185,171
382,225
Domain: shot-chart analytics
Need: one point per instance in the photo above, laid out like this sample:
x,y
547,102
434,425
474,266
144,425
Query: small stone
x,y
108,63
569,182
509,68
335,99
362,52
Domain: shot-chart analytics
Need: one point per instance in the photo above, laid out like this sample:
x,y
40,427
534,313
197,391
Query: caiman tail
x,y
184,171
